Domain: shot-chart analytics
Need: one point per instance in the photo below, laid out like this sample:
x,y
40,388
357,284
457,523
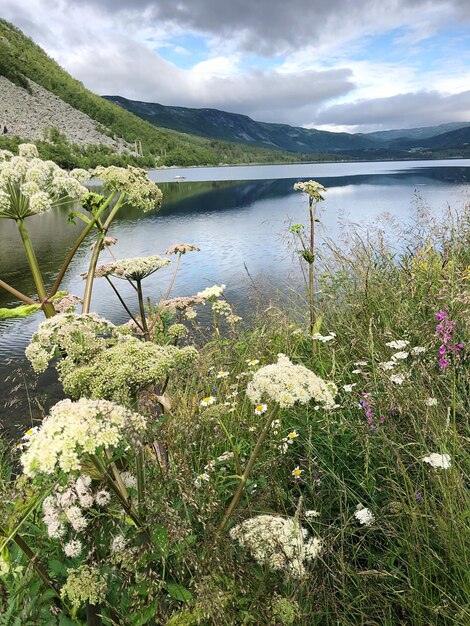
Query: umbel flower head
x,y
80,337
182,248
286,383
73,429
134,182
121,371
278,542
313,189
136,268
30,186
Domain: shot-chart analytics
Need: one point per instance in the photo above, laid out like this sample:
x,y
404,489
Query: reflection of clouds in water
x,y
233,225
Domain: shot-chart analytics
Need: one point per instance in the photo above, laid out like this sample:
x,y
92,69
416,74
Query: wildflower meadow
x,y
307,465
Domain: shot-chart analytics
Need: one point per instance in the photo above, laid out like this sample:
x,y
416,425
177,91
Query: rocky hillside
x,y
31,114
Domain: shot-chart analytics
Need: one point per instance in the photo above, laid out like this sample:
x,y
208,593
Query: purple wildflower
x,y
445,330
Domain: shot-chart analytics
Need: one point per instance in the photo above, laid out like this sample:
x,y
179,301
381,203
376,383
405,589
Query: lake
x,y
238,216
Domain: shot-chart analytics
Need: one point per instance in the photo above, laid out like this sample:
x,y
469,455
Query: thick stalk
x,y
47,307
23,546
16,293
77,244
140,467
311,275
247,472
96,253
142,311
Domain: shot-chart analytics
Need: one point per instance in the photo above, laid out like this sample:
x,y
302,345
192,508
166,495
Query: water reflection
x,y
237,223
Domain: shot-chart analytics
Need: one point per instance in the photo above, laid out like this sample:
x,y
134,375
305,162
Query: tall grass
x,y
408,567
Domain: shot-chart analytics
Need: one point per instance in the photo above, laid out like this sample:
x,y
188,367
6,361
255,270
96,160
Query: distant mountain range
x,y
449,139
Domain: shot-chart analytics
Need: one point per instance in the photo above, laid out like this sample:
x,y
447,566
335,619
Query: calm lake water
x,y
238,216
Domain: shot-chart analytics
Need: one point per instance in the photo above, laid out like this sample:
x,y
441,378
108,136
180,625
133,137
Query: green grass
x,y
410,567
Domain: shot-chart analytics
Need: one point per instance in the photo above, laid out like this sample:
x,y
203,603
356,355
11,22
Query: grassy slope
x,y
20,57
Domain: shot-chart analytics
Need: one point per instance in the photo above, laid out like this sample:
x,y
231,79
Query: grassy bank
x,y
359,476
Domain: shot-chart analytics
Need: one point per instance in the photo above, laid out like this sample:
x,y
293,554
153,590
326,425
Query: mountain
x,y
423,142
417,133
241,128
70,124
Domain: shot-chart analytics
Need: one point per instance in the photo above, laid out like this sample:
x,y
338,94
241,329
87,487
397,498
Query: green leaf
x,y
307,256
20,311
144,616
160,538
178,592
57,567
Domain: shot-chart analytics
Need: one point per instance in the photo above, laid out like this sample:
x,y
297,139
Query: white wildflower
x,y
398,345
280,543
207,401
75,517
311,514
102,497
73,548
364,515
387,365
118,543
349,388
260,409
136,268
74,429
129,480
400,355
252,362
286,383
418,350
397,379
202,478
211,293
431,402
222,374
312,188
441,461
323,338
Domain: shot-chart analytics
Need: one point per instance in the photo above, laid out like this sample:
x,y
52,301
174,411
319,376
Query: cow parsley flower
x,y
84,584
364,515
136,268
182,248
134,182
211,293
314,189
400,344
286,383
431,402
397,379
441,461
74,429
278,542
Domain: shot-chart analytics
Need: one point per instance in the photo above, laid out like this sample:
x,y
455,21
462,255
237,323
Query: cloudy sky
x,y
354,65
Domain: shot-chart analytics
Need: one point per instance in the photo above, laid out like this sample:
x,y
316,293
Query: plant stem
x,y
140,467
77,244
16,293
28,552
249,467
96,253
142,311
311,274
165,297
122,302
47,307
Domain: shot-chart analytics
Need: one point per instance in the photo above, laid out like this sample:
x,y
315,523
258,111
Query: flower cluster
x,y
31,186
84,584
323,338
134,182
68,506
364,515
136,268
79,336
286,383
73,429
211,293
278,542
119,372
182,248
445,330
441,461
314,189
